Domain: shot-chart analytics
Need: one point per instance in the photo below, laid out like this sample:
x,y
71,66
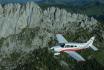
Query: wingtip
x,y
83,60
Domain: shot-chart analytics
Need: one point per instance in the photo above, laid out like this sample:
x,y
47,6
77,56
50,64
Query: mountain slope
x,y
27,32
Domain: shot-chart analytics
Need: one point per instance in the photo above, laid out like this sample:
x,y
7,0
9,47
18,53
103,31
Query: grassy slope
x,y
37,60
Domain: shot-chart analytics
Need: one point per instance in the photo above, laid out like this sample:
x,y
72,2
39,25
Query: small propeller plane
x,y
71,48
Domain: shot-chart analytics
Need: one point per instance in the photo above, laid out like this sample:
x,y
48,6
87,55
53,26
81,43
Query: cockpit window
x,y
62,44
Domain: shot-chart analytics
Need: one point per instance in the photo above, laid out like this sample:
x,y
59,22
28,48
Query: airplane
x,y
71,48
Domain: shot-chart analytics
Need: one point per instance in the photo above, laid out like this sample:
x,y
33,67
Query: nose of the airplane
x,y
52,49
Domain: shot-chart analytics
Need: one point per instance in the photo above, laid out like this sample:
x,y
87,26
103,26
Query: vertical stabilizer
x,y
90,44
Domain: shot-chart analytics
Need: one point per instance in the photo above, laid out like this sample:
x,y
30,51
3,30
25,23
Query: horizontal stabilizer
x,y
94,48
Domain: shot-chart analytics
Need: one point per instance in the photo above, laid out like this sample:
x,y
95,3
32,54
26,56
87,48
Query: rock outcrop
x,y
15,17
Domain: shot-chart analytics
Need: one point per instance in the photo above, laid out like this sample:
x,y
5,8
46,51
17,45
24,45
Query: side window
x,y
66,46
75,46
71,46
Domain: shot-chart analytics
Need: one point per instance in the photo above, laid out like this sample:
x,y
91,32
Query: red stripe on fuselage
x,y
70,49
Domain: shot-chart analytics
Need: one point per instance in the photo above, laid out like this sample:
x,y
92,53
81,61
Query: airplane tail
x,y
89,44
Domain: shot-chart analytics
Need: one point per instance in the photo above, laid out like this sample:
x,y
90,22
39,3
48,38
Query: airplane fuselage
x,y
70,47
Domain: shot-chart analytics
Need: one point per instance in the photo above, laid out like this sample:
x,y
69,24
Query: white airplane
x,y
71,48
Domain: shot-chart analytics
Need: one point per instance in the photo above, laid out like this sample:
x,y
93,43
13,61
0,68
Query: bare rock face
x,y
16,17
1,10
24,28
59,20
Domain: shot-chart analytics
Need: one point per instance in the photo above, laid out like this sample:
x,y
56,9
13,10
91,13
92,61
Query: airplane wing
x,y
61,39
75,55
